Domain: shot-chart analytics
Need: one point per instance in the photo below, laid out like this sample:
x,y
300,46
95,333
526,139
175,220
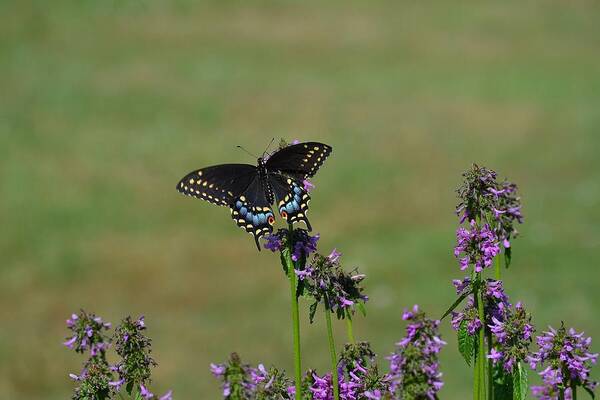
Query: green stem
x,y
497,267
490,370
349,329
476,356
479,391
476,378
295,315
481,346
334,372
561,394
573,390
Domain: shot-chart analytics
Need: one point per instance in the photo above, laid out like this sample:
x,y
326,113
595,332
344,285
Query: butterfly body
x,y
249,191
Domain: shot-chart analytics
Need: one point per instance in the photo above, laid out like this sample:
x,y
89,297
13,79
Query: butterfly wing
x,y
219,184
292,199
237,186
299,161
252,211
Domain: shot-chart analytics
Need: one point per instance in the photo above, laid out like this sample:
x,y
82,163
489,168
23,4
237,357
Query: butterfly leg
x,y
294,206
256,220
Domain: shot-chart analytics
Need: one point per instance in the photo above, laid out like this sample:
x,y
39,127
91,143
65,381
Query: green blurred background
x,y
104,105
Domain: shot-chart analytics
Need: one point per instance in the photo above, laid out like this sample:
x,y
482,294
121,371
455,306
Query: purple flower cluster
x,y
96,380
414,366
513,333
88,334
568,362
240,381
495,302
303,243
134,349
477,246
326,281
483,198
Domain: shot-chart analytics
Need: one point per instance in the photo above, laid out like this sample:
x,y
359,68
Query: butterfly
x,y
249,191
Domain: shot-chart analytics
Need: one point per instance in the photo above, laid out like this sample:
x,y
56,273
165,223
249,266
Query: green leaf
x,y
503,383
363,310
456,303
312,311
129,387
519,382
284,263
466,343
507,257
589,391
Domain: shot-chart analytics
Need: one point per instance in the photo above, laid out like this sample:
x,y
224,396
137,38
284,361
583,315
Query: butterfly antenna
x,y
267,149
240,147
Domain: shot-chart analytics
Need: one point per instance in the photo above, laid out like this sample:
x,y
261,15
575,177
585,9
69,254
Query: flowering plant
x,y
493,335
98,380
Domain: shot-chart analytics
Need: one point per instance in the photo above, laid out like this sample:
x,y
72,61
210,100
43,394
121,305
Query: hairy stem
x,y
349,329
334,372
481,344
295,315
497,267
490,370
476,378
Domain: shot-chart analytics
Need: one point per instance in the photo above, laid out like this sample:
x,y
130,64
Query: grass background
x,y
104,105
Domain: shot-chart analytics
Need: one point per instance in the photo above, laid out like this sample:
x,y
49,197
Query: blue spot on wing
x,y
238,204
243,210
262,218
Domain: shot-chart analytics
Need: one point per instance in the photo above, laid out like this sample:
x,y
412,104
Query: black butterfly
x,y
250,190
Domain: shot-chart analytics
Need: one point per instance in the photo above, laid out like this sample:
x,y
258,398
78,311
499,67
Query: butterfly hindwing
x,y
300,161
219,184
292,199
252,212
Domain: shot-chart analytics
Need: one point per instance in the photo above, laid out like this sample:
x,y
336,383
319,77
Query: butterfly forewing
x,y
219,184
292,199
299,161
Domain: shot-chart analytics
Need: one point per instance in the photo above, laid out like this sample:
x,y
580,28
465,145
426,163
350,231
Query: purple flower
x,y
461,285
145,393
484,199
69,343
334,256
477,246
308,185
218,370
304,244
117,384
134,348
414,367
568,361
87,333
274,242
326,281
495,355
167,396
